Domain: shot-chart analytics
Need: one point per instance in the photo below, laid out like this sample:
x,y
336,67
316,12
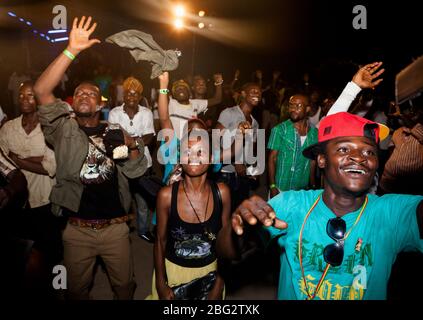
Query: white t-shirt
x,y
315,119
230,118
2,114
141,125
13,138
179,114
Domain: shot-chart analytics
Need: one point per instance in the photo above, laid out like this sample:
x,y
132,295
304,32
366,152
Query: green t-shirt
x,y
388,226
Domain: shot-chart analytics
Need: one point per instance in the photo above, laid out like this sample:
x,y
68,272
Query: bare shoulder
x,y
165,195
224,190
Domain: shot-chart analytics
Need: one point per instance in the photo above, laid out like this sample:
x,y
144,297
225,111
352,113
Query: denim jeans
x,y
143,215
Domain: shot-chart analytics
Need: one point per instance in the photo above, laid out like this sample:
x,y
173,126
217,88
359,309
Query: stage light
x,y
178,24
35,31
201,25
21,20
201,13
57,31
11,14
42,35
179,11
61,39
29,23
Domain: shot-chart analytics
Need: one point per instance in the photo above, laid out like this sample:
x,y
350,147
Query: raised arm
x,y
365,78
78,41
217,98
163,103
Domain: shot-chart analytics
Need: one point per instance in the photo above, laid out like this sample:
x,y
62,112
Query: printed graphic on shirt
x,y
5,166
190,246
97,167
346,282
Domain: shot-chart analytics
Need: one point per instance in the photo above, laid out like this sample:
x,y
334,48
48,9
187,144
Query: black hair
x,y
90,82
301,92
249,84
27,83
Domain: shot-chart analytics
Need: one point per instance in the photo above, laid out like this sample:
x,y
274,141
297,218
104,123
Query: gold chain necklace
x,y
300,249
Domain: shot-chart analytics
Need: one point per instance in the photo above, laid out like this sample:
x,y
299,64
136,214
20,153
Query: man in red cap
x,y
339,242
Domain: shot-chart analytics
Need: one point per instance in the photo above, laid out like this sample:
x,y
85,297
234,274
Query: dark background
x,y
293,36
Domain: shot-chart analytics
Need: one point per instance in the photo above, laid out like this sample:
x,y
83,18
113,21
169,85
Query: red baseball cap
x,y
344,124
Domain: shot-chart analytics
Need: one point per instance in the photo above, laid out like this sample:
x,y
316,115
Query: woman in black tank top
x,y
190,213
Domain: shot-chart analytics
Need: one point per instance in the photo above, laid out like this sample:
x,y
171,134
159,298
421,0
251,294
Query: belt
x,y
97,224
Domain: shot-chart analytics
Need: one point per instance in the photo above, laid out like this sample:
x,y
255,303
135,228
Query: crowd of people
x,y
342,197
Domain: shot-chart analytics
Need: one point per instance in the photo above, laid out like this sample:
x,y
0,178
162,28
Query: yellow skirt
x,y
177,275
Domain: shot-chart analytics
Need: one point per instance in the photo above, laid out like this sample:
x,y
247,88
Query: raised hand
x,y
254,210
218,78
244,125
365,76
79,37
164,79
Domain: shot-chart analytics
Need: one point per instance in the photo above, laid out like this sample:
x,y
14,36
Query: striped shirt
x,y
403,172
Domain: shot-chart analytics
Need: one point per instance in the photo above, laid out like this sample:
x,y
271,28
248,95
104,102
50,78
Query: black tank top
x,y
192,245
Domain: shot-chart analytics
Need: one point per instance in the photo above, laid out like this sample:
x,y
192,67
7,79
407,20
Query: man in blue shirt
x,y
339,242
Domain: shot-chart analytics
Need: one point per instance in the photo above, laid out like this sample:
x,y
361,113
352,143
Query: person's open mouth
x,y
355,171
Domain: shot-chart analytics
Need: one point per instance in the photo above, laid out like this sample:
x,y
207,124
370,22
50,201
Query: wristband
x,y
69,54
273,186
164,91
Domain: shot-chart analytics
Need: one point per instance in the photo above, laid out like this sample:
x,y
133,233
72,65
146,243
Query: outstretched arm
x,y
252,211
78,41
365,78
218,81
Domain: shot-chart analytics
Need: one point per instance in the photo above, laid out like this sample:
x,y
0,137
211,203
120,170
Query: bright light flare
x,y
178,23
201,25
201,13
179,11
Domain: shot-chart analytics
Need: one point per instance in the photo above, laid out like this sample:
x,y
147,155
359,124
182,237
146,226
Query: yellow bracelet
x,y
69,54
